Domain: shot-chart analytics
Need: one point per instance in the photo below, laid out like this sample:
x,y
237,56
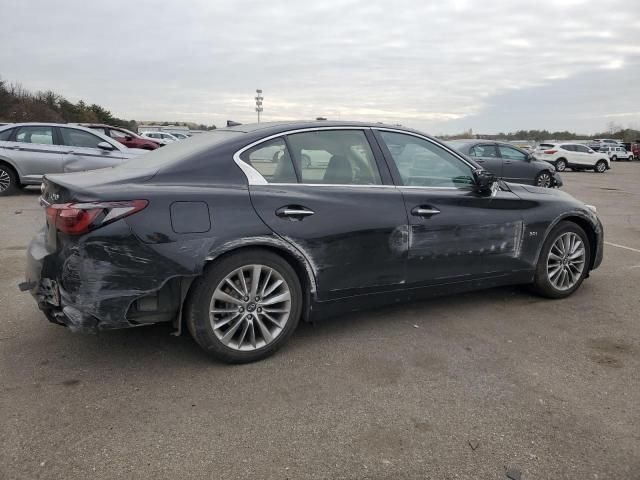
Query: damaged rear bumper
x,y
90,284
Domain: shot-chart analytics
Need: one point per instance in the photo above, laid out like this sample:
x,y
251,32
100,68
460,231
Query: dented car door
x,y
455,233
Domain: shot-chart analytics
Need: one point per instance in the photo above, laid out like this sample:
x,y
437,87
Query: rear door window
x,y
487,151
272,160
35,134
334,157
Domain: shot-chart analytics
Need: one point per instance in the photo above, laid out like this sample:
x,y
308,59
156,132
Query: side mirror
x,y
128,138
106,146
485,181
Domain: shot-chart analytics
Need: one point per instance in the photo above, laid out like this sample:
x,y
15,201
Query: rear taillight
x,y
550,152
79,218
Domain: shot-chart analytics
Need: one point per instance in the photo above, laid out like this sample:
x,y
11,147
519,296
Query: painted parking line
x,y
622,246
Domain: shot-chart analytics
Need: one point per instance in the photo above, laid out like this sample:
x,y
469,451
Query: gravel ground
x,y
475,386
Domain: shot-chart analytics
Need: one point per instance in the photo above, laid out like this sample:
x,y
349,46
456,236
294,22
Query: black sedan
x,y
508,162
211,233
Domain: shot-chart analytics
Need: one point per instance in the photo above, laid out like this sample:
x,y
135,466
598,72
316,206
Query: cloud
x,y
424,64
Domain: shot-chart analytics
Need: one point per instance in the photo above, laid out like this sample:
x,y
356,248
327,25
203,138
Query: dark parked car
x,y
509,163
215,235
124,136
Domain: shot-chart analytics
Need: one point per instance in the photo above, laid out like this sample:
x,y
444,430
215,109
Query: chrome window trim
x,y
255,178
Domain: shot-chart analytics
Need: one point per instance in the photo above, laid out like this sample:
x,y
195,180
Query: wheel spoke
x,y
266,282
225,297
264,331
215,311
271,319
243,281
281,297
234,286
255,279
231,332
243,333
226,321
252,334
272,288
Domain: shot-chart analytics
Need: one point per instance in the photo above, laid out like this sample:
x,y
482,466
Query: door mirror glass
x,y
106,146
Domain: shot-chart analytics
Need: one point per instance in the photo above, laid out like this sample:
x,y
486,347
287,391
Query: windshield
x,y
177,151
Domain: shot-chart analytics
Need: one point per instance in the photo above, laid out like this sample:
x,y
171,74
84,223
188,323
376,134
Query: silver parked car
x,y
30,150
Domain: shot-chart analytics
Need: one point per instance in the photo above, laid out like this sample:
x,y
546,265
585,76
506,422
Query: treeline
x,y
17,104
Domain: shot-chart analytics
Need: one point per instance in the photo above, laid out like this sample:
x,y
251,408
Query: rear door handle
x,y
294,212
424,211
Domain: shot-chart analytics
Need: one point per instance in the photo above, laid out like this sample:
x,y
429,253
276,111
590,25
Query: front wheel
x,y
561,165
543,179
245,306
601,166
563,262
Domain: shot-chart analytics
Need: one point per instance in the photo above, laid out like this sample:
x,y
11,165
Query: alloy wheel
x,y
561,165
566,261
250,307
544,180
601,167
5,180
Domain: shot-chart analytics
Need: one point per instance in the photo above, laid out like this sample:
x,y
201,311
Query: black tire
x,y
544,179
600,167
199,300
541,283
614,158
561,165
9,182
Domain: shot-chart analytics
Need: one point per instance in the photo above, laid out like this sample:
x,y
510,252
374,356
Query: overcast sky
x,y
442,66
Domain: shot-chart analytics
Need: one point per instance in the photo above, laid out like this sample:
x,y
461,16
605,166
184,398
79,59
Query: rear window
x,y
177,151
546,145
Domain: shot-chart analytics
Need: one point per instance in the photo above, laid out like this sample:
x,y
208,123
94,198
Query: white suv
x,y
616,153
572,155
161,137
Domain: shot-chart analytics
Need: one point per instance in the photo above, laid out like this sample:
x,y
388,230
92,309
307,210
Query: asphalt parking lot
x,y
466,387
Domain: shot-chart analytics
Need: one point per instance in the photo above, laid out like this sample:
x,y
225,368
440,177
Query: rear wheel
x,y
543,179
563,262
8,180
561,165
245,306
601,166
614,158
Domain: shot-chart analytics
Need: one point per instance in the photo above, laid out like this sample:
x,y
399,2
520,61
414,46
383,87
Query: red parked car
x,y
124,136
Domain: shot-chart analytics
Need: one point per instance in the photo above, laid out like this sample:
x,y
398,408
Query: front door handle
x,y
424,211
294,212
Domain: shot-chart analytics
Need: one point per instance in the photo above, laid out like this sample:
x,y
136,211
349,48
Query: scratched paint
x,y
489,239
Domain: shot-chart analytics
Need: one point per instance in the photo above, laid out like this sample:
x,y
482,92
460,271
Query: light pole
x,y
259,99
